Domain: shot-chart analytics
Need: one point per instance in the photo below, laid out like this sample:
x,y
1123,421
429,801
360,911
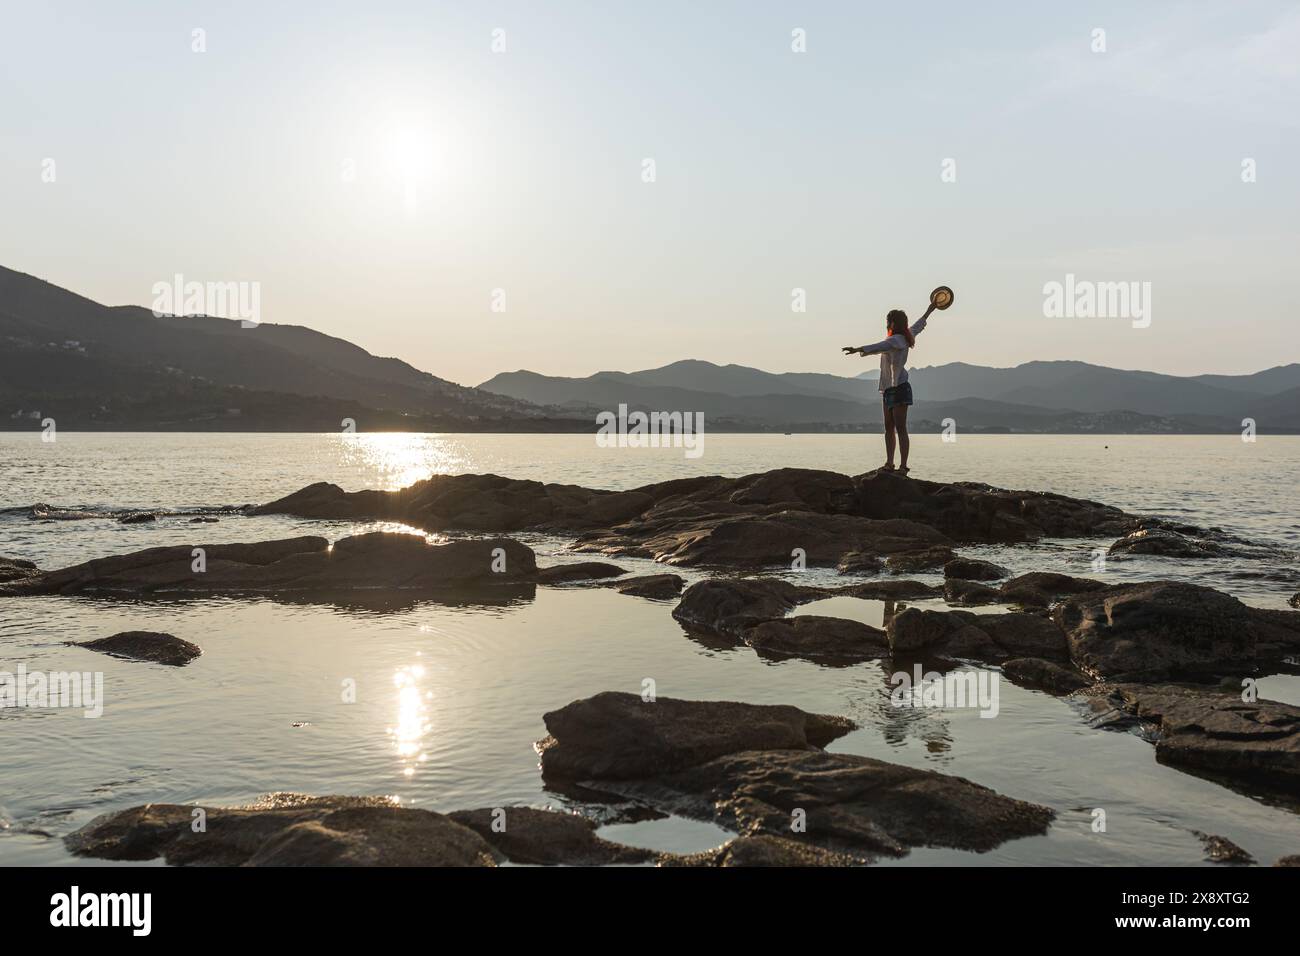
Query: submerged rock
x,y
660,586
618,736
284,830
138,517
970,593
1040,674
364,562
581,571
1209,731
1222,850
1157,630
767,850
17,569
1166,543
547,837
860,562
151,646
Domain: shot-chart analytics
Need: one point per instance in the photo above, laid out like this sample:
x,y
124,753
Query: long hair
x,y
896,324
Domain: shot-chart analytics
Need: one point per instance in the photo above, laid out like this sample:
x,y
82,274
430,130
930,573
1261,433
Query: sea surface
x,y
449,698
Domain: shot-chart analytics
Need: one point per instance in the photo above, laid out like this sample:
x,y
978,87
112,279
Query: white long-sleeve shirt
x,y
893,356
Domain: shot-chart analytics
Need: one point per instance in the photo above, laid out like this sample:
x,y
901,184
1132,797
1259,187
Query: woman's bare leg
x,y
889,436
904,442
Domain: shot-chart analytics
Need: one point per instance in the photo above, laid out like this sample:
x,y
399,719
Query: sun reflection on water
x,y
391,460
412,718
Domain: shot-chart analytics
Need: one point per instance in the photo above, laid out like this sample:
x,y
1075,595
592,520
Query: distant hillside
x,y
92,366
1035,396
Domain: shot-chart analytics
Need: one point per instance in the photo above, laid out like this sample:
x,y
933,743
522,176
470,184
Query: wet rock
x,y
927,559
1209,731
1276,632
970,593
892,590
204,519
619,736
17,569
285,830
1044,588
963,635
766,850
767,540
816,638
1040,674
152,646
1157,630
547,837
1295,600
860,562
365,562
659,586
972,569
1288,861
1222,850
1166,543
849,803
726,606
581,571
138,517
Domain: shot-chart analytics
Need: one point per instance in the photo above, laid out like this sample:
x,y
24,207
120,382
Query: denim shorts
x,y
898,395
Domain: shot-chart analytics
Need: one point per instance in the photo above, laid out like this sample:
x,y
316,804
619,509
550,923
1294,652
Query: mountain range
x,y
1035,396
97,367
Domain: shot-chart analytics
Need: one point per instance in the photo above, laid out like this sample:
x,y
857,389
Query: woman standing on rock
x,y
895,390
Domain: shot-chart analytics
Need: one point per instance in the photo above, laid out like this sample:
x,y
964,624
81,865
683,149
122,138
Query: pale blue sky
x,y
775,170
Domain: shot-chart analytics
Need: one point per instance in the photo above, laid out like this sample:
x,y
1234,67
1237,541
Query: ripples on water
x,y
446,701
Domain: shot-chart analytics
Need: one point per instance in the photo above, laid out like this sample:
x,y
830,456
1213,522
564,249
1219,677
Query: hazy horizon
x,y
380,174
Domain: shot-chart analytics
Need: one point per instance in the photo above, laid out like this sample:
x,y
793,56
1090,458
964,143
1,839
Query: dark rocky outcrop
x,y
965,635
1040,674
547,837
816,638
759,770
1166,543
1158,630
285,830
1044,588
972,569
928,559
970,593
860,562
659,586
380,560
580,571
620,736
1294,600
750,521
851,804
726,606
1208,730
147,646
138,517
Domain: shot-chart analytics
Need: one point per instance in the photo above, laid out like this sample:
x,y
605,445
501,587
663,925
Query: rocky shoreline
x,y
1172,660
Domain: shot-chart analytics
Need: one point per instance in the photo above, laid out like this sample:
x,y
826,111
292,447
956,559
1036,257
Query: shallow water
x,y
449,699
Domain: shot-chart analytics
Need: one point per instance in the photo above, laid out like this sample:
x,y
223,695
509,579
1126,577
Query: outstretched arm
x,y
919,325
886,345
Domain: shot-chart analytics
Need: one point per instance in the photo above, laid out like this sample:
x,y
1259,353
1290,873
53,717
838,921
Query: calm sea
x,y
450,698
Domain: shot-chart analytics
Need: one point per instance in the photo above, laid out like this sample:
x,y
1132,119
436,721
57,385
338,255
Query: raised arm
x,y
919,325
